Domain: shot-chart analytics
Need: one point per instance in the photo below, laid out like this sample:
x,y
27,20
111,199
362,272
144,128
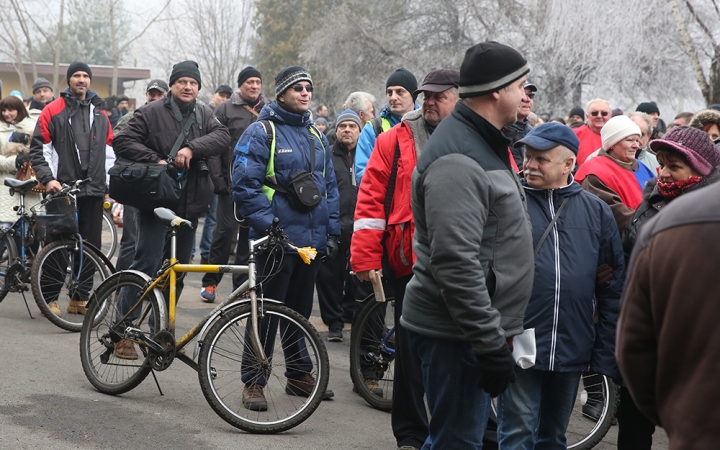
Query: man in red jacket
x,y
394,156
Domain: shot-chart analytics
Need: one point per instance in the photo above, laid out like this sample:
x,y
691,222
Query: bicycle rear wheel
x,y
228,365
109,235
107,372
8,254
372,353
59,274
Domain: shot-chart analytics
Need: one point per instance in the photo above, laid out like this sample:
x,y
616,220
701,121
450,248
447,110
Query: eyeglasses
x,y
602,113
300,87
531,95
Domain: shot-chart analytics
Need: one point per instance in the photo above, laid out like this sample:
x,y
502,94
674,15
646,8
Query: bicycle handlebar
x,y
71,188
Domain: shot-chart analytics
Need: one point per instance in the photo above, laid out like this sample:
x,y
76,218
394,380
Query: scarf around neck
x,y
675,188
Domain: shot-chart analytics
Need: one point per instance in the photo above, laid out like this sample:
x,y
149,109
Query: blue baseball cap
x,y
549,135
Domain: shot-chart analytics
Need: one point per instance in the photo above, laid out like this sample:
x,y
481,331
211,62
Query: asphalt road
x,y
47,403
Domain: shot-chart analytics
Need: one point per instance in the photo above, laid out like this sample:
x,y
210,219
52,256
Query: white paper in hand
x,y
524,350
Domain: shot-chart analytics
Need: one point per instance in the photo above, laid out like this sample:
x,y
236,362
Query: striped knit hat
x,y
288,77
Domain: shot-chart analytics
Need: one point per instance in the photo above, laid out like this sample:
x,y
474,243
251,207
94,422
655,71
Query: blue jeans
x,y
535,411
208,229
459,410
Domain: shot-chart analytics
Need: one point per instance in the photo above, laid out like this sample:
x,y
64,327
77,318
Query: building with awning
x,y
101,82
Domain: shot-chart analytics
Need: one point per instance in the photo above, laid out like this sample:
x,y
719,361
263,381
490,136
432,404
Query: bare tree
x,y
118,49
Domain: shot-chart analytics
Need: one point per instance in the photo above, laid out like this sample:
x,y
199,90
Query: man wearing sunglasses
x,y
263,187
521,128
598,113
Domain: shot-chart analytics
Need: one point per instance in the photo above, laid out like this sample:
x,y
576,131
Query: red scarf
x,y
675,188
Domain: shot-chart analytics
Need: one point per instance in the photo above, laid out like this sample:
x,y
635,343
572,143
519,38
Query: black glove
x,y
21,159
497,371
333,244
19,137
603,276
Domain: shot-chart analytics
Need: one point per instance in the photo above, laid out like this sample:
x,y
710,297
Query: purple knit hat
x,y
695,145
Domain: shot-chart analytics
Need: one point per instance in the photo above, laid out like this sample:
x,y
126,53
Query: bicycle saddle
x,y
170,218
20,186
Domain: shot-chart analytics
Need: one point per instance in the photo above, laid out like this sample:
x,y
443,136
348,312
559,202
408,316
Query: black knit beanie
x,y
488,67
648,108
186,69
77,66
405,78
246,73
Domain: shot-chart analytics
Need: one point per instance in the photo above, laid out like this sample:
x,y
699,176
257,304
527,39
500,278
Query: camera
x,y
202,167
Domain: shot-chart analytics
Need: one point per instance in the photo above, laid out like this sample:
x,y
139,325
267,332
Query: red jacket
x,y
589,142
366,249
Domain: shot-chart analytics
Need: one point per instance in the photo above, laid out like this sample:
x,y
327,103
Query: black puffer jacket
x,y
235,113
151,133
652,203
344,164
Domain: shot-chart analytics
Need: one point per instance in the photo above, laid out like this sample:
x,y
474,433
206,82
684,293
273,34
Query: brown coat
x,y
668,343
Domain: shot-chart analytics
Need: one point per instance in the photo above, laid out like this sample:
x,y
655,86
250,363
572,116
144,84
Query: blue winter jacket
x,y
366,141
565,298
292,141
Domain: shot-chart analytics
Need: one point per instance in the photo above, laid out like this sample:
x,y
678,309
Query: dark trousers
x,y
409,418
153,247
89,214
293,284
635,430
334,288
226,228
129,238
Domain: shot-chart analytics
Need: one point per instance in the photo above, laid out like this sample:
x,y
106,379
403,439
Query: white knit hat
x,y
617,129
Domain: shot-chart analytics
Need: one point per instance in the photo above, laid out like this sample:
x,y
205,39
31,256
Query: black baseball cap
x,y
224,89
439,80
158,84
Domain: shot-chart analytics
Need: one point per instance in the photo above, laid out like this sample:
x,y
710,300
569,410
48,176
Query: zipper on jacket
x,y
556,306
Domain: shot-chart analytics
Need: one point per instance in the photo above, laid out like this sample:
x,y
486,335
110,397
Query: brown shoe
x,y
303,387
125,349
77,307
55,308
374,386
253,398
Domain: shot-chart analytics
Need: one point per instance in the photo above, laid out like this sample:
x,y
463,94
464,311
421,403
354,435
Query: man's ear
x,y
281,98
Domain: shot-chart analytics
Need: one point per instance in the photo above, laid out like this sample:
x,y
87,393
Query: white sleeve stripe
x,y
369,224
51,157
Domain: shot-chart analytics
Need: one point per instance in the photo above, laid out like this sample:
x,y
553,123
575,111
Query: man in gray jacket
x,y
474,270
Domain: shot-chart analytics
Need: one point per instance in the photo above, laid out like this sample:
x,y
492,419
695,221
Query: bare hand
x,y
365,275
162,161
53,186
183,157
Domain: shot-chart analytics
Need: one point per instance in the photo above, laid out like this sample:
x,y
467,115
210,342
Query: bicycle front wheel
x,y
372,353
109,235
105,356
65,277
229,369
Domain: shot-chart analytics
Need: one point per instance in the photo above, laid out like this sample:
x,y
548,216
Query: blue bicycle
x,y
45,253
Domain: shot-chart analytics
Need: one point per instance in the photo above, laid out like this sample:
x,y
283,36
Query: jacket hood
x,y
386,113
416,122
275,112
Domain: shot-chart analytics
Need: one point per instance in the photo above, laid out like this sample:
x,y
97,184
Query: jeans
x,y
534,412
208,229
459,410
226,229
128,242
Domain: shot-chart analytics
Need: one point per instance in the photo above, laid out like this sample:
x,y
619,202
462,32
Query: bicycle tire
x,y
109,235
366,354
584,433
51,281
105,371
8,254
220,369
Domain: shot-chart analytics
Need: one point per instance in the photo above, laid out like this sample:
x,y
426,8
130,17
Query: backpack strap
x,y
376,123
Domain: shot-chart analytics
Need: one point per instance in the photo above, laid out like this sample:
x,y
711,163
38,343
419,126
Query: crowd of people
x,y
483,219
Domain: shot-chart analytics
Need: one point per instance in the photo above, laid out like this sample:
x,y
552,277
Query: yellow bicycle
x,y
243,342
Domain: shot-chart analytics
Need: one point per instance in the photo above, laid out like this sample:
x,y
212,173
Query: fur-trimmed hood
x,y
705,117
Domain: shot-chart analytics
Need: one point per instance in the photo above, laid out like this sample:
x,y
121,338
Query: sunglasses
x,y
602,113
300,87
531,95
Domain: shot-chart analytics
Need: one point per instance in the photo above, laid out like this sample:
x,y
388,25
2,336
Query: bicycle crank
x,y
161,360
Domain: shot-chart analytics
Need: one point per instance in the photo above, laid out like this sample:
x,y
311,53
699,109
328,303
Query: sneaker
x,y
374,386
55,308
207,293
76,307
303,387
253,398
125,349
335,336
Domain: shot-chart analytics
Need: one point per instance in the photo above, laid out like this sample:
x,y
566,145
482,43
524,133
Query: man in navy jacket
x,y
566,294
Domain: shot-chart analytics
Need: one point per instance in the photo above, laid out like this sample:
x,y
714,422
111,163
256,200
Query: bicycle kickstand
x,y
156,382
26,304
